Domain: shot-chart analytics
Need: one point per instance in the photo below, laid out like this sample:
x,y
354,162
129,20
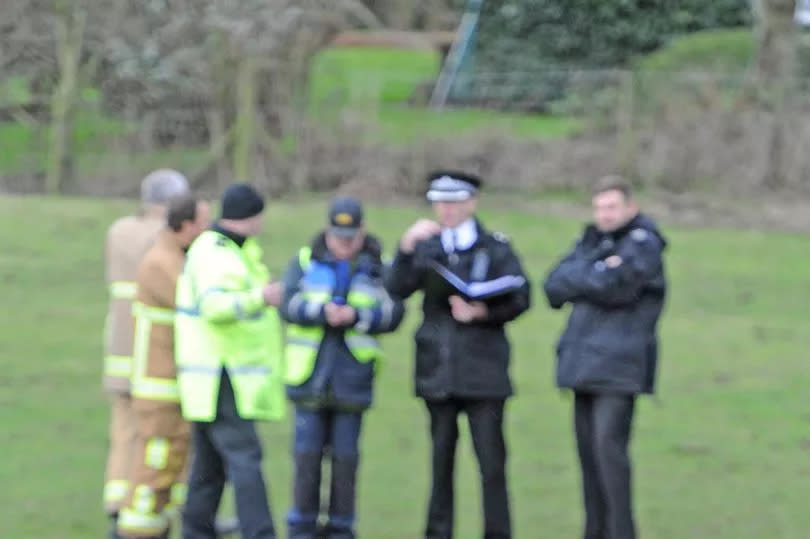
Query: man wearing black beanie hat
x,y
228,348
241,201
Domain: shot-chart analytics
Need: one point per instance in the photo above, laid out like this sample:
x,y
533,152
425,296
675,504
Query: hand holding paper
x,y
467,312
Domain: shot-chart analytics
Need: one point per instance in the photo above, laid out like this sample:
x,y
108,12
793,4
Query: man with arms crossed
x,y
614,279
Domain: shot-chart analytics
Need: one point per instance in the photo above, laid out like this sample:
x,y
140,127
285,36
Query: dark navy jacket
x,y
338,379
610,344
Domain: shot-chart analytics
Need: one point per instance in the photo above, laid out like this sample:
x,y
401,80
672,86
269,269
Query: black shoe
x,y
226,526
113,527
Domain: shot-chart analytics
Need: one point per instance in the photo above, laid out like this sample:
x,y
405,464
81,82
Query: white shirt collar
x,y
461,237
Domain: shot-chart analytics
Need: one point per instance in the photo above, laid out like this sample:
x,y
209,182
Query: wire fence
x,y
374,129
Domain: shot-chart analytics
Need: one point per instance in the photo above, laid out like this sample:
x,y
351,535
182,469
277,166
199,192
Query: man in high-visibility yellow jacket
x,y
157,482
127,241
228,349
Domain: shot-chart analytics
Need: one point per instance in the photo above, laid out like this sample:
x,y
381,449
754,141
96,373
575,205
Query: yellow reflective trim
x,y
149,524
157,453
178,495
142,386
155,315
115,490
163,389
362,341
118,366
143,500
123,289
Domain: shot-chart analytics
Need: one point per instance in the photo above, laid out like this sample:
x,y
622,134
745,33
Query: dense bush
x,y
528,34
538,41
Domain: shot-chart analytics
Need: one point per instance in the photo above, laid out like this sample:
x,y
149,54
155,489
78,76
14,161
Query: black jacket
x,y
452,358
338,379
610,344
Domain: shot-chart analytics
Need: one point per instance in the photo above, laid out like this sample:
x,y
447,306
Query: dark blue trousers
x,y
228,448
603,425
319,432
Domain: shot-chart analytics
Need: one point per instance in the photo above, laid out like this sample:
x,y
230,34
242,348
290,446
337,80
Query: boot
x,y
114,527
225,526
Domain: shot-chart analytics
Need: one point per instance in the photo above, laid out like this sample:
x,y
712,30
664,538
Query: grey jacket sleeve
x,y
384,317
294,308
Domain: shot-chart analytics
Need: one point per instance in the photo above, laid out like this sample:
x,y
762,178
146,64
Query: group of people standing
x,y
202,343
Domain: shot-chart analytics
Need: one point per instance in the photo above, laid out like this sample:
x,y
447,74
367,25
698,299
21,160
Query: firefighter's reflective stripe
x,y
144,525
143,386
115,491
123,290
118,366
157,453
157,315
178,495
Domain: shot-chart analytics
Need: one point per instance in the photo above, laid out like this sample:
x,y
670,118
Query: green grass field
x,y
723,453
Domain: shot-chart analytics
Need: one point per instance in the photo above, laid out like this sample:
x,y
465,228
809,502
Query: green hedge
x,y
531,34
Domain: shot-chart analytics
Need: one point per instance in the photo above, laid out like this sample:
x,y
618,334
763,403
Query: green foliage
x,y
532,34
542,40
724,51
341,75
402,125
14,91
378,83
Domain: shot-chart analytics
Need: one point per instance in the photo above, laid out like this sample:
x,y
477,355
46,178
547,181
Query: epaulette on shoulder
x,y
500,236
639,234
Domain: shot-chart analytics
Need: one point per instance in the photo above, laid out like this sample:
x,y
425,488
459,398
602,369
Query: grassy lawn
x,y
724,452
376,84
366,84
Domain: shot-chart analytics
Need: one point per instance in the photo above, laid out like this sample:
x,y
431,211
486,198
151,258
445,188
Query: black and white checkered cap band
x,y
449,189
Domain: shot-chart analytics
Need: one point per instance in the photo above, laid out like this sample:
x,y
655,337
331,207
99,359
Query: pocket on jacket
x,y
427,355
597,365
357,376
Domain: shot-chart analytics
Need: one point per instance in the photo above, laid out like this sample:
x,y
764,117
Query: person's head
x,y
160,186
454,196
242,209
613,203
345,232
187,217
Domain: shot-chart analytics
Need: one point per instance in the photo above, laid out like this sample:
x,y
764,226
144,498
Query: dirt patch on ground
x,y
772,213
394,39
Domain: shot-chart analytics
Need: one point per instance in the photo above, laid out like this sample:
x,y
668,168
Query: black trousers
x,y
602,423
486,427
227,447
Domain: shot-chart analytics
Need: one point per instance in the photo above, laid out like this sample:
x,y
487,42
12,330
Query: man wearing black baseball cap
x,y
473,285
335,304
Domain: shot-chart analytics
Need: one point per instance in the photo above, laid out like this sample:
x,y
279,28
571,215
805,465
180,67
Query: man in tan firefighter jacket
x,y
128,239
157,481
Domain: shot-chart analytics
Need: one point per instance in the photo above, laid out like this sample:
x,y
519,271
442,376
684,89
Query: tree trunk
x,y
775,79
776,41
245,133
70,36
218,115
